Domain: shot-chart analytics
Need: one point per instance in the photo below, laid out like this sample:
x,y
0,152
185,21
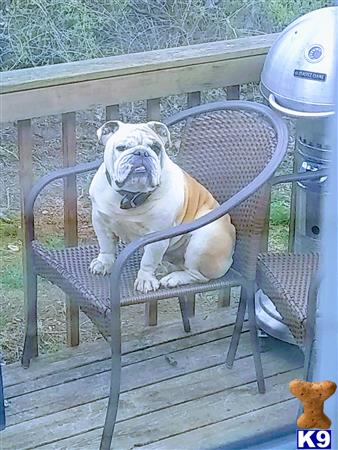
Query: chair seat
x,y
285,279
68,269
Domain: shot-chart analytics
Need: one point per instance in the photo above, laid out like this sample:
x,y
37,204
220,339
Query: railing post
x,y
70,215
154,109
153,113
193,99
233,92
30,349
112,112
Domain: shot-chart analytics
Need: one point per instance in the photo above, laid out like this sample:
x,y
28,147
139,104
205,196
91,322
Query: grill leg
x,y
30,349
185,312
237,329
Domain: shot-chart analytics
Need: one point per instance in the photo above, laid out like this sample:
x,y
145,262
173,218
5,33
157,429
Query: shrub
x,y
38,32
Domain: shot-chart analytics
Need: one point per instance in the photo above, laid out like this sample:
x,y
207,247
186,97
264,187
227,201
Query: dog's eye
x,y
120,148
156,147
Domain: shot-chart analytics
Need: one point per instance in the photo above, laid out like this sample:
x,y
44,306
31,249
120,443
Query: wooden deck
x,y
176,391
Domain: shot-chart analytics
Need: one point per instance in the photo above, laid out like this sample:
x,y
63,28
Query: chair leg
x,y
151,313
30,348
237,329
309,344
308,351
254,340
113,402
247,299
191,304
183,300
224,296
115,373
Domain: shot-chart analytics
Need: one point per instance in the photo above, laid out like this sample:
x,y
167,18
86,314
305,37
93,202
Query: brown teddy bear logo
x,y
313,396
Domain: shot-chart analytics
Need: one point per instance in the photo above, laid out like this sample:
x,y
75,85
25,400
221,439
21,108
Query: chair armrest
x,y
47,179
292,177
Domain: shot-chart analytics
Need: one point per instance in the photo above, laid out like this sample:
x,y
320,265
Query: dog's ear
x,y
161,130
107,129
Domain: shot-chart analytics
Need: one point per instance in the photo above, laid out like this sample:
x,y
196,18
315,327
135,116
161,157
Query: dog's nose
x,y
140,152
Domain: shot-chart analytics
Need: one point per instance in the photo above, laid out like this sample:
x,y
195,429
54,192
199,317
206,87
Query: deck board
x,y
71,357
240,427
175,390
103,365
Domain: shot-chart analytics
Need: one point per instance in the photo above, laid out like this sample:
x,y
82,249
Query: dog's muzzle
x,y
136,164
141,161
130,199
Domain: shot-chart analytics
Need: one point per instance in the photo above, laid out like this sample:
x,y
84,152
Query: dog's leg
x,y
208,256
103,264
152,257
181,277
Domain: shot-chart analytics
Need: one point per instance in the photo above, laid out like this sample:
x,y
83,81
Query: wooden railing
x,y
66,88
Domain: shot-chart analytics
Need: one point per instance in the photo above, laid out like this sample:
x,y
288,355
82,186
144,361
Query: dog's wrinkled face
x,y
134,153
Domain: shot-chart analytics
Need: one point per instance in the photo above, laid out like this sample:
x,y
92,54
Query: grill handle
x,y
294,113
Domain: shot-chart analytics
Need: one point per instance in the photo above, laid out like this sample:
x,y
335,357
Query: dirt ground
x,y
47,156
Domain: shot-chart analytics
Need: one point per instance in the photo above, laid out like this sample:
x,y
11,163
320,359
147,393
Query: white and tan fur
x,y
176,197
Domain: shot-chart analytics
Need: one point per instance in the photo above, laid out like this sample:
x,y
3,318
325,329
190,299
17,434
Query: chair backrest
x,y
225,150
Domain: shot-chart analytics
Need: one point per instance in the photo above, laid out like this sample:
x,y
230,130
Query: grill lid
x,y
299,76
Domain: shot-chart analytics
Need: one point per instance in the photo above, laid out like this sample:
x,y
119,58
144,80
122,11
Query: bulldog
x,y
137,190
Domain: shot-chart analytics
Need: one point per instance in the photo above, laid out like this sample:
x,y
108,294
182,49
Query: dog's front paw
x,y
102,265
146,282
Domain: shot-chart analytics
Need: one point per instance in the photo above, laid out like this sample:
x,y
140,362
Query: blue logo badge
x,y
315,439
315,53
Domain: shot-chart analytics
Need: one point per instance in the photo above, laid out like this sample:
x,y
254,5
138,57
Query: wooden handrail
x,y
68,87
134,63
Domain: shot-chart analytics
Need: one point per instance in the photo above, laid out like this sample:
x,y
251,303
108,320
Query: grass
x,y
51,324
280,212
279,219
11,275
10,252
278,238
54,241
9,227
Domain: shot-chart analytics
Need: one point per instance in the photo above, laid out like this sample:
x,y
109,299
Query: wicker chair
x,y
233,148
285,279
291,281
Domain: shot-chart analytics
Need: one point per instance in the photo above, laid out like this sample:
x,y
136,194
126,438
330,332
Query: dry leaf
x,y
13,248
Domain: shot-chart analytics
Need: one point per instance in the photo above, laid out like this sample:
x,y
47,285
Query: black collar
x,y
130,199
